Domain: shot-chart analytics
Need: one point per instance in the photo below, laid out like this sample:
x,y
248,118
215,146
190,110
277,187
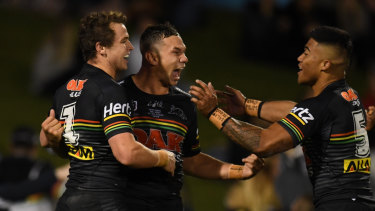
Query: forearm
x,y
274,111
134,154
243,133
206,167
271,111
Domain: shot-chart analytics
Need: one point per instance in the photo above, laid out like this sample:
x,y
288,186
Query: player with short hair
x,y
165,118
96,114
330,125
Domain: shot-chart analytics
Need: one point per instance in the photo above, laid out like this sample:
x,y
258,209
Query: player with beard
x,y
95,113
330,126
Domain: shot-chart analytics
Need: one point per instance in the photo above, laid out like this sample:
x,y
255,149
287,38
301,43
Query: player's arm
x,y
264,143
207,167
236,104
370,116
51,135
134,154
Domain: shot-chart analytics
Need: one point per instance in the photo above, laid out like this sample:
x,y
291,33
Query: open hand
x,y
204,97
232,101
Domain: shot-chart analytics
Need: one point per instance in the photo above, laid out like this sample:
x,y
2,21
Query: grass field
x,y
213,51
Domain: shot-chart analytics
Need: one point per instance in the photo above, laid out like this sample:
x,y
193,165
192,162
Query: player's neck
x,y
320,85
103,66
149,83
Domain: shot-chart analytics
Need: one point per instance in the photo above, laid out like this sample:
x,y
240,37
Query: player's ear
x,y
152,57
325,65
100,49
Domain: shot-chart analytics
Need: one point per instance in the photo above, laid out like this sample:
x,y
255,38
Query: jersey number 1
x,y
67,114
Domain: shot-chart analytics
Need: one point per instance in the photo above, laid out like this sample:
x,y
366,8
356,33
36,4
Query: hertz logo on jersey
x,y
357,165
302,115
81,152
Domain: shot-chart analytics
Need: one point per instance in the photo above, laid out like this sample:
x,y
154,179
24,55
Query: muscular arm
x,y
207,167
134,154
274,111
263,142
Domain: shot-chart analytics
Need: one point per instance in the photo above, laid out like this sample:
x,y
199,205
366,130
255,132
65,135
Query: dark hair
x,y
156,33
23,136
94,28
334,36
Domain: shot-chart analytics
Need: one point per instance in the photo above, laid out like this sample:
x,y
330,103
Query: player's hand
x,y
253,164
232,101
51,132
370,116
170,165
204,97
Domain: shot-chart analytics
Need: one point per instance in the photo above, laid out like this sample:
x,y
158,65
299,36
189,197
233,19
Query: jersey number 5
x,y
67,114
363,145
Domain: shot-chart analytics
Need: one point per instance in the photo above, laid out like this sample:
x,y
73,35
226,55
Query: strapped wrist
x,y
162,158
219,118
252,107
235,172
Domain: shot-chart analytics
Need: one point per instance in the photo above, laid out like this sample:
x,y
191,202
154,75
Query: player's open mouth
x,y
127,57
176,74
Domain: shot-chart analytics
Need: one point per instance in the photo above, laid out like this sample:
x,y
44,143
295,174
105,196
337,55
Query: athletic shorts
x,y
165,204
74,199
344,205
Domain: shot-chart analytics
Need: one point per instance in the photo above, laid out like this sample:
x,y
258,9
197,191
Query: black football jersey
x,y
331,129
162,122
93,108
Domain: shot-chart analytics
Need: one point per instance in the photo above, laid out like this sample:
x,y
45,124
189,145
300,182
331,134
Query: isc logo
x,y
116,108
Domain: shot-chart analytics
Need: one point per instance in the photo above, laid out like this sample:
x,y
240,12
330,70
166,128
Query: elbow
x,y
265,148
126,158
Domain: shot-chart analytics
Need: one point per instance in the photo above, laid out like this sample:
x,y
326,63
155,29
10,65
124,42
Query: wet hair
x,y
95,27
335,37
155,33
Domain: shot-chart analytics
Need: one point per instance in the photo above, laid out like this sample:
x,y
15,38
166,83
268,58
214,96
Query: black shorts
x,y
156,204
74,199
344,205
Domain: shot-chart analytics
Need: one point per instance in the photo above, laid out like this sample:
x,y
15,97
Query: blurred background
x,y
251,45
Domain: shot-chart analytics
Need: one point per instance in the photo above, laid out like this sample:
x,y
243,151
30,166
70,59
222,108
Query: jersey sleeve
x,y
191,143
301,121
116,112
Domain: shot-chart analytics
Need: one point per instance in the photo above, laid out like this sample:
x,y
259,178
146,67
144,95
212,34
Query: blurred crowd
x,y
272,30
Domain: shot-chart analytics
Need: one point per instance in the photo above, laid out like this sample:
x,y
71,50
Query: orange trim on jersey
x,y
115,123
299,130
82,120
343,134
162,120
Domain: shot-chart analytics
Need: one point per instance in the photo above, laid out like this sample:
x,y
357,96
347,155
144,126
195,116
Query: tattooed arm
x,y
264,143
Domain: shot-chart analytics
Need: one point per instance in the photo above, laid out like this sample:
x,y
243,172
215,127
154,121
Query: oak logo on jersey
x,y
76,87
357,165
302,114
81,152
350,96
155,139
117,108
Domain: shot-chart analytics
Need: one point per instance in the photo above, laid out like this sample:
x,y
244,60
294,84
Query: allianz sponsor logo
x,y
303,113
117,108
357,165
